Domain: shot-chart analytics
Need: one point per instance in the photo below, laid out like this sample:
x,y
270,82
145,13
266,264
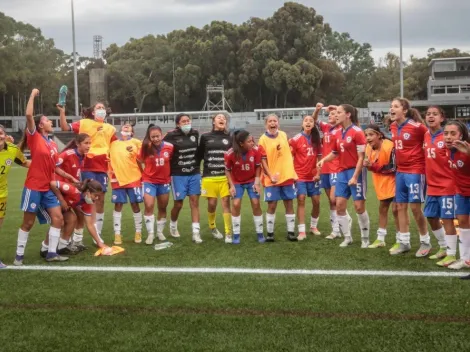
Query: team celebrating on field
x,y
423,162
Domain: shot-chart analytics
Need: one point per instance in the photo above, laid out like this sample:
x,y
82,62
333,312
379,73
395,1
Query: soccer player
x,y
408,136
278,176
212,148
457,140
185,174
243,169
37,193
380,160
9,154
102,134
352,178
329,171
126,180
440,200
306,148
156,156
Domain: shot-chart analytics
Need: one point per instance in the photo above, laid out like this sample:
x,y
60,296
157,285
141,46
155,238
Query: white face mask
x,y
126,134
186,128
88,200
100,114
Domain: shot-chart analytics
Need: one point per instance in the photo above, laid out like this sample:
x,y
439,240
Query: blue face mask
x,y
186,128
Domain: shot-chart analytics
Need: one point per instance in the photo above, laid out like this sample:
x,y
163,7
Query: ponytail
x,y
22,145
352,111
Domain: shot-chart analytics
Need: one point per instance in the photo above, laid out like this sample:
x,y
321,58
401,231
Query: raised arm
x,y
63,121
318,108
30,125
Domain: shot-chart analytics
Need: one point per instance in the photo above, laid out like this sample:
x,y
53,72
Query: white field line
x,y
250,271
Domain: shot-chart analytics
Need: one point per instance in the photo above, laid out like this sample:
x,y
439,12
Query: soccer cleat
x,y
423,250
18,260
150,239
448,260
459,264
377,244
69,250
395,246
402,248
346,242
216,234
236,239
261,238
365,243
291,236
138,237
43,254
79,244
301,236
2,266
333,235
117,239
270,237
315,231
174,233
197,238
441,253
161,236
54,257
228,239
465,277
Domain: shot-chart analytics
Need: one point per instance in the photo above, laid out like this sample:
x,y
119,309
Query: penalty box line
x,y
250,271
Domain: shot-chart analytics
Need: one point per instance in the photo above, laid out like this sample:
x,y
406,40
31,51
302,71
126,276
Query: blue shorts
x,y
183,186
462,205
328,181
275,193
442,207
120,195
32,200
309,189
155,189
240,190
343,190
410,188
101,177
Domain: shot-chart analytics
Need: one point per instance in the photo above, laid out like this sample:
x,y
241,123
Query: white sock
x,y
98,233
149,223
397,237
364,224
258,224
290,220
236,224
22,240
44,247
301,228
78,235
270,220
173,225
451,244
161,225
138,222
62,244
343,221
404,238
334,221
54,235
465,238
117,216
196,228
381,233
99,222
425,239
313,222
440,237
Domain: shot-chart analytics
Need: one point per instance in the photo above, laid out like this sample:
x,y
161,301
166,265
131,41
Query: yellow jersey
x,y
124,163
8,155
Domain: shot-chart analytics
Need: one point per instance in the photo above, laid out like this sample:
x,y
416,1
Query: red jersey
x,y
439,176
44,160
305,157
348,143
328,133
409,140
243,169
73,197
71,162
460,165
157,167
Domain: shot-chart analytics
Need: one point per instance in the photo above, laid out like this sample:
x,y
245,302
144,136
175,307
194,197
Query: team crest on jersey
x,y
192,138
8,162
165,154
252,159
349,139
460,163
224,141
406,136
440,144
66,187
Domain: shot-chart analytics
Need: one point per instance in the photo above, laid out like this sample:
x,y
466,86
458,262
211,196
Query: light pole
x,y
401,54
75,79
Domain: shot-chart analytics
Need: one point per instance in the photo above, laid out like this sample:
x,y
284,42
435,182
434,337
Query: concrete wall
x,y
98,91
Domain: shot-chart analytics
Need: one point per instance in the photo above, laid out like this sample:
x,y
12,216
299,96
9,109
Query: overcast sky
x,y
372,21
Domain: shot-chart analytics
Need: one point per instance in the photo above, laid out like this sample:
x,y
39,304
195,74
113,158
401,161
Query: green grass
x,y
78,311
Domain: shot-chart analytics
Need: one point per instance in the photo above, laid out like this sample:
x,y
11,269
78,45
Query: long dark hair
x,y
23,141
376,129
73,144
462,129
441,112
314,134
213,126
353,113
90,185
88,113
239,137
411,113
147,145
178,118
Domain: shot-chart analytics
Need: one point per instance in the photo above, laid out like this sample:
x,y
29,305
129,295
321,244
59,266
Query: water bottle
x,y
62,95
164,245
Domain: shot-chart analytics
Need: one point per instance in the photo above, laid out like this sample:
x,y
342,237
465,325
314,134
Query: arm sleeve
x,y
391,167
201,148
19,158
228,161
262,152
75,127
